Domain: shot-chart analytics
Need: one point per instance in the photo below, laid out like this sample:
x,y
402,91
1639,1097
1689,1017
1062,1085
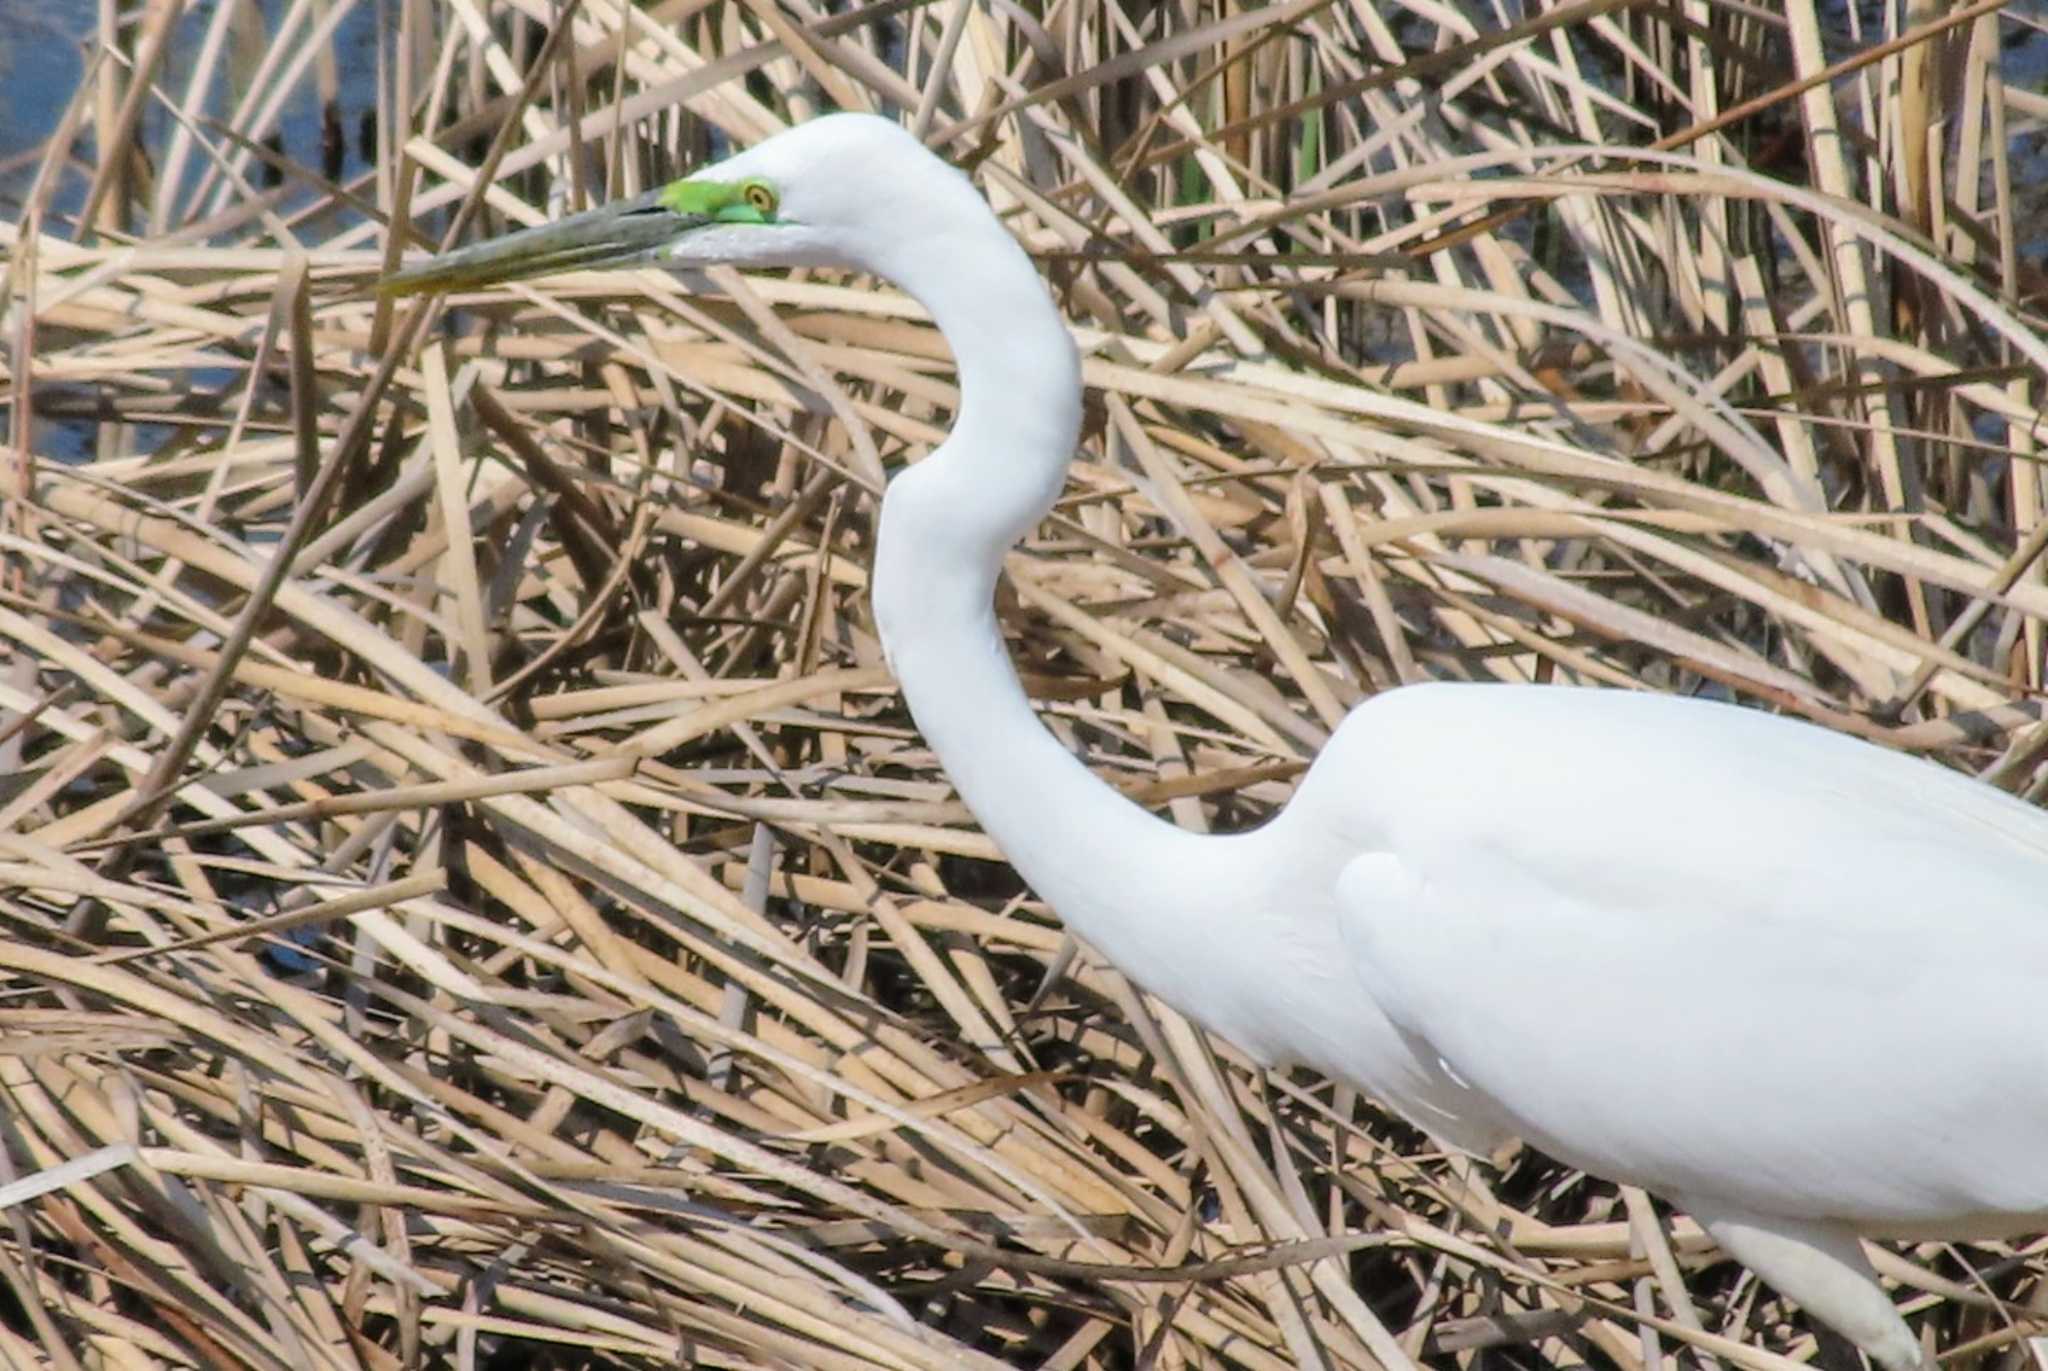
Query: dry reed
x,y
471,893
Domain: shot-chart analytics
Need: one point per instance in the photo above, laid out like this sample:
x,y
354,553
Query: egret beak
x,y
627,233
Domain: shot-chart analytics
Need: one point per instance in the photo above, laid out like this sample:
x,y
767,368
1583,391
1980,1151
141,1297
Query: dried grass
x,y
661,1003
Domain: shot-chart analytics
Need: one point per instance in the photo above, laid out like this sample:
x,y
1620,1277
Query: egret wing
x,y
1680,943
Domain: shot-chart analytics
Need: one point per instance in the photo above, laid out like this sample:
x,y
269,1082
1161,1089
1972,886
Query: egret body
x,y
1787,980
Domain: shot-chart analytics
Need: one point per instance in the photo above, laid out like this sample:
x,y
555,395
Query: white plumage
x,y
1790,981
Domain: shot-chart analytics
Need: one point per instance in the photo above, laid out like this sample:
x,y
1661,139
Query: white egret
x,y
1790,981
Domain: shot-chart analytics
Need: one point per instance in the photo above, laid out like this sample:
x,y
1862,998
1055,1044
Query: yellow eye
x,y
761,198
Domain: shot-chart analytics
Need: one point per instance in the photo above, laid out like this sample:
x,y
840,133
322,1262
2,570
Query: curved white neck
x,y
946,525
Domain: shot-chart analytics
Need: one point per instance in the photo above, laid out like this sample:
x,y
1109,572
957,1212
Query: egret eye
x,y
761,198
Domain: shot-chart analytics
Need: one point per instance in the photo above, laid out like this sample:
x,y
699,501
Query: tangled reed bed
x,y
472,895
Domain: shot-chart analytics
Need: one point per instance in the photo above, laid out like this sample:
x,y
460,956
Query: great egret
x,y
1790,981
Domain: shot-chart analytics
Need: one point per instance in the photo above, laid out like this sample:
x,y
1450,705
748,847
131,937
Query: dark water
x,y
39,66
43,49
43,45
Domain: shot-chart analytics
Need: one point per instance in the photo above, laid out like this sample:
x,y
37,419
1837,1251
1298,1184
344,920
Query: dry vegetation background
x,y
471,894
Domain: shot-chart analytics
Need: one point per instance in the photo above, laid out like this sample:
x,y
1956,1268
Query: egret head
x,y
844,190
